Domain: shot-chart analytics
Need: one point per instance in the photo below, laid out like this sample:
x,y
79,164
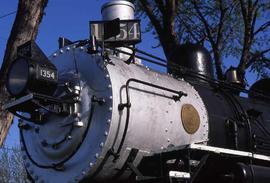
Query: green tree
x,y
236,28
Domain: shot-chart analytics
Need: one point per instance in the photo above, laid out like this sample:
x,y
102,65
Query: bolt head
x,y
101,144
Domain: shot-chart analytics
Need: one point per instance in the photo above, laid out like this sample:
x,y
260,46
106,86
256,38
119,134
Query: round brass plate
x,y
190,118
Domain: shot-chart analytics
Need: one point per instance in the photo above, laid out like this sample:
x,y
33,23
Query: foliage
x,y
233,28
12,169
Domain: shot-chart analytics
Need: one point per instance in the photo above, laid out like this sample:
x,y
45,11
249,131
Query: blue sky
x,y
65,18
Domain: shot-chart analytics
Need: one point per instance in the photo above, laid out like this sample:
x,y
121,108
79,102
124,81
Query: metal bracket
x,y
32,102
100,101
139,175
122,106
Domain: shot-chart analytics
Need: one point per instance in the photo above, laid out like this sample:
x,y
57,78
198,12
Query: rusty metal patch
x,y
190,118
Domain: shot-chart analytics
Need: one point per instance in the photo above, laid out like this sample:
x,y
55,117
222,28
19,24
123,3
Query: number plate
x,y
47,74
130,32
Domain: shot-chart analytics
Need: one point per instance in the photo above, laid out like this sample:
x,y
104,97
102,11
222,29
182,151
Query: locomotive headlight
x,y
18,77
26,75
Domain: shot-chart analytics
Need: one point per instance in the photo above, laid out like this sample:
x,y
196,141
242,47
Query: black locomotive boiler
x,y
92,112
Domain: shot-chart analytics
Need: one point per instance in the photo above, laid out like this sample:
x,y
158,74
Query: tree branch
x,y
160,5
256,56
149,11
243,10
204,21
221,23
262,27
217,56
249,21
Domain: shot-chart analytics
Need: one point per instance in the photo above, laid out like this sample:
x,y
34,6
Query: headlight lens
x,y
31,76
18,77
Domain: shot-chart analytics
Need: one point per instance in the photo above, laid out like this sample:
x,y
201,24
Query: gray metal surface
x,y
154,124
80,150
155,119
123,10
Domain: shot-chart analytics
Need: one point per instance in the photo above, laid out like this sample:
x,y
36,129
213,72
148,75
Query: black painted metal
x,y
260,89
251,173
32,71
194,57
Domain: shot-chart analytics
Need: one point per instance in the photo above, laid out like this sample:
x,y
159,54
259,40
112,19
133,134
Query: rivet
x,y
91,164
36,129
68,48
31,171
166,130
162,148
36,177
107,75
111,97
110,109
108,121
101,144
55,54
106,133
83,172
78,124
61,51
81,48
69,137
27,165
79,115
44,143
168,140
97,155
109,86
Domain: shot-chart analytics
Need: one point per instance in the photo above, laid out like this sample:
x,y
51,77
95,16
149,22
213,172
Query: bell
x,y
233,77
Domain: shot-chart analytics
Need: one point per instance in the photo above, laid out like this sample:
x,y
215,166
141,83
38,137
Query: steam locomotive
x,y
92,112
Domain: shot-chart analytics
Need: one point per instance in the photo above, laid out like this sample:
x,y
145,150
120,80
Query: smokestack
x,y
123,10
